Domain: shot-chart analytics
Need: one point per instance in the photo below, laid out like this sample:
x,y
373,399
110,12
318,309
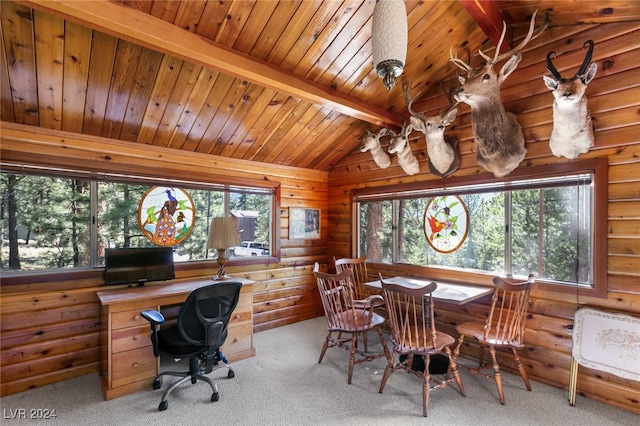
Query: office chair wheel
x,y
215,397
163,405
157,384
231,374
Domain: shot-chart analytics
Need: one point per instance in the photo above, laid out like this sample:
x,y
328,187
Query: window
x,y
66,221
549,222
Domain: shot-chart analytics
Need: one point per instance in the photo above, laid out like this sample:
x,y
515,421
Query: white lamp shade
x,y
389,32
222,233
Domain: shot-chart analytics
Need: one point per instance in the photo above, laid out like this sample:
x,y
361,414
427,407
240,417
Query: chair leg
x,y
215,396
523,372
172,386
453,369
385,376
352,355
496,374
383,342
325,345
426,387
390,357
456,351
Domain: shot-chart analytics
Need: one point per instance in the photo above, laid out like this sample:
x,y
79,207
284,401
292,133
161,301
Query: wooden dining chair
x,y
503,328
345,314
360,275
414,334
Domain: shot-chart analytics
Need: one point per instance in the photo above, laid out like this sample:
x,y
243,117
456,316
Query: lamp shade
x,y
389,40
222,233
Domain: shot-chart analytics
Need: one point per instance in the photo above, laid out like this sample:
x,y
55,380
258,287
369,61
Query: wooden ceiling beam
x,y
490,19
137,27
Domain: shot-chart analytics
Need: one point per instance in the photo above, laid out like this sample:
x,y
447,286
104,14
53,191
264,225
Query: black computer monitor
x,y
138,265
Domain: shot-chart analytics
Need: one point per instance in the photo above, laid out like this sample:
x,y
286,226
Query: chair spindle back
x,y
411,314
358,267
508,314
337,295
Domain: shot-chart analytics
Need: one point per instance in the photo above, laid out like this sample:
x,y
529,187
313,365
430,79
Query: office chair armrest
x,y
156,319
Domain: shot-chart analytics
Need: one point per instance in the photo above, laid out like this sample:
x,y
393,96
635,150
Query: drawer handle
x,y
136,317
135,338
135,365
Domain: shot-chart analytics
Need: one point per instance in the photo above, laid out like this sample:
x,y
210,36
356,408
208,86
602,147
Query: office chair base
x,y
164,404
193,376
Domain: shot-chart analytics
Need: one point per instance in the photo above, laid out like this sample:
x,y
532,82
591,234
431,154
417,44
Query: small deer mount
x,y
572,132
497,133
371,143
400,145
444,157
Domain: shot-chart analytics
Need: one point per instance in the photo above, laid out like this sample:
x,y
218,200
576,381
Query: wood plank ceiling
x,y
286,83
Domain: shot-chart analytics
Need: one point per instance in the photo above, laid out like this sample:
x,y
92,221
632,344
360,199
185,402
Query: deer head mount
x,y
572,133
400,145
371,143
444,157
498,135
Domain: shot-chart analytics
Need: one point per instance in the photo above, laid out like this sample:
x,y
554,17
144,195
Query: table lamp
x,y
222,235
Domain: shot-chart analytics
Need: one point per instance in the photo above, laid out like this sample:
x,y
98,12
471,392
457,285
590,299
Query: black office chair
x,y
200,331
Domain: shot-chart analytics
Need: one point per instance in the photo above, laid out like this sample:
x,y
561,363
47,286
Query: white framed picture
x,y
304,223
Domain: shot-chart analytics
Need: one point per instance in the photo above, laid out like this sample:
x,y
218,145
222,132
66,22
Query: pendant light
x,y
389,40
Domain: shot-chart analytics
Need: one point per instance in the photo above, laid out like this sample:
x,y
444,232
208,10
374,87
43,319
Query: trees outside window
x,y
545,226
52,223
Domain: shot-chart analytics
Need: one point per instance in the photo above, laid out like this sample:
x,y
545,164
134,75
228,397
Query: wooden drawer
x,y
243,311
240,316
132,366
240,338
128,319
126,339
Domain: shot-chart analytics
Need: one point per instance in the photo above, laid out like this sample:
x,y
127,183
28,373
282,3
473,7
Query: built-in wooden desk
x,y
456,293
126,356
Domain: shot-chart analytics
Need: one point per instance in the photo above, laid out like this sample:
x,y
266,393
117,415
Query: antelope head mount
x,y
498,135
572,133
400,145
371,143
444,158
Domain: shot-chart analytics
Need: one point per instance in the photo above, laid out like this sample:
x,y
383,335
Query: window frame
x,y
598,167
93,272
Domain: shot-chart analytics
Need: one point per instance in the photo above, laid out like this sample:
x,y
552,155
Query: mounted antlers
x,y
572,133
498,135
371,142
444,158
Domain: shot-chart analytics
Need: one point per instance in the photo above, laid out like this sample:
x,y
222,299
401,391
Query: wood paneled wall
x,y
614,100
50,330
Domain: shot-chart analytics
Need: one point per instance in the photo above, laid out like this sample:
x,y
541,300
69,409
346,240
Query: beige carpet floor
x,y
285,385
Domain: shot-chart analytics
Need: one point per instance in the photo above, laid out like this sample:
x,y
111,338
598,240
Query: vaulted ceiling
x,y
281,82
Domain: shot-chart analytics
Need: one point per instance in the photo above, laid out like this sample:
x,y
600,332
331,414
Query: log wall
x,y
50,330
614,101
